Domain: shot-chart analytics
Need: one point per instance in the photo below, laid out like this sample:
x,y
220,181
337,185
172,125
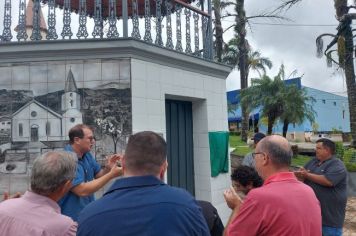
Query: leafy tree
x,y
114,127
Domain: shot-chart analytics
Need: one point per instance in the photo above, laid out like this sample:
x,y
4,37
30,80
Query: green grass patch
x,y
241,148
300,160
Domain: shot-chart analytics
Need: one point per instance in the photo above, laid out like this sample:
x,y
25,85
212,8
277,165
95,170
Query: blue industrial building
x,y
332,112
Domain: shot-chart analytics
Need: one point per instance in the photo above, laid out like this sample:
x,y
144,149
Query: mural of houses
x,y
5,124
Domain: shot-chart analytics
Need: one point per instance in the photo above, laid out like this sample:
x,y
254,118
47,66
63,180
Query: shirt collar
x,y
280,176
69,148
135,181
319,163
43,200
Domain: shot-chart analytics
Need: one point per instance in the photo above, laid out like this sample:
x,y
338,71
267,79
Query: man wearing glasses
x,y
283,205
89,176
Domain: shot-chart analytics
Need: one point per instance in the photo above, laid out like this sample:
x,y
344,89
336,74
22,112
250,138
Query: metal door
x,y
179,127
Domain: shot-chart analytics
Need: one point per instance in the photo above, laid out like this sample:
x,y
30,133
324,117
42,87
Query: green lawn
x,y
300,160
241,149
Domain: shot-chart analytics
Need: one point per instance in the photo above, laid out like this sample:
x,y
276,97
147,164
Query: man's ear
x,y
66,186
265,160
76,139
163,170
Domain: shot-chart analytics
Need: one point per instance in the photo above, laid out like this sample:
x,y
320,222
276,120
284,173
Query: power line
x,y
293,25
289,24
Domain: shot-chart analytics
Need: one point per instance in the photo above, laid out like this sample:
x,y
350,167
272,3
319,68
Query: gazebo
x,y
106,6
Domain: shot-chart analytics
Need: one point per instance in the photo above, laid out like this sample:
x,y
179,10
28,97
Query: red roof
x,y
105,7
29,18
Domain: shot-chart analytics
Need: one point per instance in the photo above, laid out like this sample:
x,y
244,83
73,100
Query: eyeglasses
x,y
91,138
255,153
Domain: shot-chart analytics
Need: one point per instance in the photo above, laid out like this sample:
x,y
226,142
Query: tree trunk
x,y
114,139
285,127
218,30
270,125
341,10
240,29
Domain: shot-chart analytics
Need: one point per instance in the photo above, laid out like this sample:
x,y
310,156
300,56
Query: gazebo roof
x,y
105,7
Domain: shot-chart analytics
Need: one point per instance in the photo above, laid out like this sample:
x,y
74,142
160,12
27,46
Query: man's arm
x,y
111,162
88,188
318,179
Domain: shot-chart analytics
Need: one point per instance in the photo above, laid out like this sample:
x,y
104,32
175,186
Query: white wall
x,y
151,84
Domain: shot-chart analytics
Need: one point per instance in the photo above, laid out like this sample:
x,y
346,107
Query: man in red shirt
x,y
282,206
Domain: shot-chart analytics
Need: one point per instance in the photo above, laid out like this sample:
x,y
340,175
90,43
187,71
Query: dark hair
x,y
145,153
328,144
77,132
246,175
280,155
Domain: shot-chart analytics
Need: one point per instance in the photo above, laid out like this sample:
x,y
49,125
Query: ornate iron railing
x,y
171,24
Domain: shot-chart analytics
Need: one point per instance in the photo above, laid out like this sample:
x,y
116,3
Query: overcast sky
x,y
293,45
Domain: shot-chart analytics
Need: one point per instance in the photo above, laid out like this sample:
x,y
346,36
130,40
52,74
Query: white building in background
x,y
35,122
5,124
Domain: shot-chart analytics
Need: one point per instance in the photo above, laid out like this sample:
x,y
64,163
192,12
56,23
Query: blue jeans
x,y
331,231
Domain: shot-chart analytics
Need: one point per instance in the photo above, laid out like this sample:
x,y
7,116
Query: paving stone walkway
x,y
350,219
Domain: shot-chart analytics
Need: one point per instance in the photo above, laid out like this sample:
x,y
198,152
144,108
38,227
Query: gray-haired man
x,y
37,211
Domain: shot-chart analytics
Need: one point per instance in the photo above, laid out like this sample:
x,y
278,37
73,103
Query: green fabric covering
x,y
219,152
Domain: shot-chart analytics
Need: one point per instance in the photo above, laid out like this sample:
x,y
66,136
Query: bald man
x,y
282,206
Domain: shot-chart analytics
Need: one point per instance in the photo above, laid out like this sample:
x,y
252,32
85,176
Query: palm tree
x,y
243,48
342,45
297,107
277,100
255,62
219,41
258,63
265,93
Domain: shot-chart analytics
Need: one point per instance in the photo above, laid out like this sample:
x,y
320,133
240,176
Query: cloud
x,y
294,45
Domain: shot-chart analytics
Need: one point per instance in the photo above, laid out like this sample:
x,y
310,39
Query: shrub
x,y
349,159
350,155
350,166
339,150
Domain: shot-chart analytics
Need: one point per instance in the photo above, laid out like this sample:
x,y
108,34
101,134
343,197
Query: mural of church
x,y
35,122
41,102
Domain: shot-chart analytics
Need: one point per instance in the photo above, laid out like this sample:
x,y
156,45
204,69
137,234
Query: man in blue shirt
x,y
141,203
89,176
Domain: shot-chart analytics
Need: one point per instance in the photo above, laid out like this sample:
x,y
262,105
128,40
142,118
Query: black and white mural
x,y
40,102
